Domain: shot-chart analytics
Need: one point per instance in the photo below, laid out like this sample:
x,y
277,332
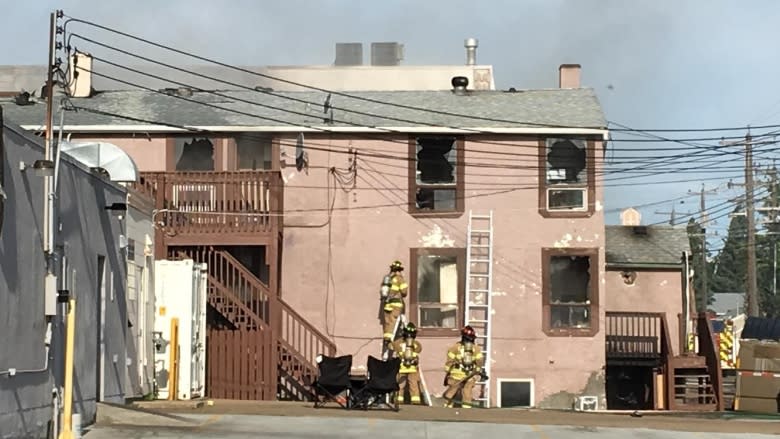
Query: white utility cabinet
x,y
180,289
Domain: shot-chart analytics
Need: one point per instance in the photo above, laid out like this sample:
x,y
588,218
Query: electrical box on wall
x,y
50,295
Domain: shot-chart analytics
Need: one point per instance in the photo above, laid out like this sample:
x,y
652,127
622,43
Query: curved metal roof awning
x,y
113,159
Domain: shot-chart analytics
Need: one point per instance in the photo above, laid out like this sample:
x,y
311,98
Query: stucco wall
x,y
148,153
652,291
88,230
361,239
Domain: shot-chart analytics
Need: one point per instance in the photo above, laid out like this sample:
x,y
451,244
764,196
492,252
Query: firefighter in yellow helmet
x,y
408,350
464,366
394,290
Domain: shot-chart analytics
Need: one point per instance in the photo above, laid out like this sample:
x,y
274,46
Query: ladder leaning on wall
x,y
479,284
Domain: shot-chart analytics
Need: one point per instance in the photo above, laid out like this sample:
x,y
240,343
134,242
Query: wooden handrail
x,y
710,352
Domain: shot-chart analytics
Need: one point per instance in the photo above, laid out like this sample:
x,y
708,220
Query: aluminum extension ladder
x,y
479,285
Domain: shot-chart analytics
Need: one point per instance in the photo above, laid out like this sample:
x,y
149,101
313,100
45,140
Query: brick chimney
x,y
569,76
630,217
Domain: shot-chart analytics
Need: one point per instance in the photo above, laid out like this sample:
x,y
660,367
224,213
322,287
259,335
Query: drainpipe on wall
x,y
687,273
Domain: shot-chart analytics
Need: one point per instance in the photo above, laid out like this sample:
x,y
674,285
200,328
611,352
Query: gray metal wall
x,y
87,231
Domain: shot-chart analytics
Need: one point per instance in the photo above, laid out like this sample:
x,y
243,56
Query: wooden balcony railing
x,y
214,202
634,335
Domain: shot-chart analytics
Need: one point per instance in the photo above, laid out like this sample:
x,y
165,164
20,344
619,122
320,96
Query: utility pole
x,y
672,215
752,283
704,218
752,287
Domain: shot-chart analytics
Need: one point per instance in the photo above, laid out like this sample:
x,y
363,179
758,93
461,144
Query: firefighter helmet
x,y
410,330
467,334
396,266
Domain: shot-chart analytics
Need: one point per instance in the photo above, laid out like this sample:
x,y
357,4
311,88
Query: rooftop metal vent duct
x,y
349,54
471,51
386,54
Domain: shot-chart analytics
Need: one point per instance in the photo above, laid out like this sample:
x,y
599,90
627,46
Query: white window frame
x,y
500,381
582,208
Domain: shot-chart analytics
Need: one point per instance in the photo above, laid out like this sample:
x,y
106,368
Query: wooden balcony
x,y
215,207
634,337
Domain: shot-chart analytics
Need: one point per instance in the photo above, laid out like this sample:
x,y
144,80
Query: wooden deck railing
x,y
298,341
710,352
214,202
634,335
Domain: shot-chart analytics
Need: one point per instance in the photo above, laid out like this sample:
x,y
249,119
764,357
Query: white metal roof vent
x,y
113,159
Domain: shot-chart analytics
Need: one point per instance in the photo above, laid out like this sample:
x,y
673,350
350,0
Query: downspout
x,y
686,276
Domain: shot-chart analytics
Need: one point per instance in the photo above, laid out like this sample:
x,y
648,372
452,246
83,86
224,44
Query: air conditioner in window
x,y
567,198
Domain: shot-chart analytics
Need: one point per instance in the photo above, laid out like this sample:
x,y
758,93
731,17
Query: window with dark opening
x,y
571,290
253,151
193,154
516,393
437,183
566,174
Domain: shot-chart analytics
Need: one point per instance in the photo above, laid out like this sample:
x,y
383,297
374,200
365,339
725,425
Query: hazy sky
x,y
654,64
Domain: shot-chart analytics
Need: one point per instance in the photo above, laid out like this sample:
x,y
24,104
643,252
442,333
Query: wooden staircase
x,y
694,380
249,305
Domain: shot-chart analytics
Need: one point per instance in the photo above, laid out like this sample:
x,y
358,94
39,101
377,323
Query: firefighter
x,y
408,350
464,366
394,290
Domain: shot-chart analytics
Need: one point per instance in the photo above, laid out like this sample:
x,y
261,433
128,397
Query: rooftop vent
x,y
386,54
471,51
459,84
349,54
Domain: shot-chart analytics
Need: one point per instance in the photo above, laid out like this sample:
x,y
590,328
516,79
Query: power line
x,y
363,98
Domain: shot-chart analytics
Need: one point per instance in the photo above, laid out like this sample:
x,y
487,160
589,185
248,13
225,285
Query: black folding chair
x,y
381,387
333,382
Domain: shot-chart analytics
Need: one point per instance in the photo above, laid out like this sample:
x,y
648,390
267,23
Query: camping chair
x,y
333,383
382,385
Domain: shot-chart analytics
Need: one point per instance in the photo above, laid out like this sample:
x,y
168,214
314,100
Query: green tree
x,y
730,265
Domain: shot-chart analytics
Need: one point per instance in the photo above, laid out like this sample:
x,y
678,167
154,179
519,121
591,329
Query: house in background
x,y
648,290
90,265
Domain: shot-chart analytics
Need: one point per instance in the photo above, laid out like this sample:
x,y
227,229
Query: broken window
x,y
566,174
437,183
570,290
253,151
437,287
194,154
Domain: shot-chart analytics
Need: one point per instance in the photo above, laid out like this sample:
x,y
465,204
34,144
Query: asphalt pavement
x,y
231,426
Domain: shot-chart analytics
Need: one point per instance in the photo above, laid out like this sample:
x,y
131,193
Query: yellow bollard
x,y
173,378
70,341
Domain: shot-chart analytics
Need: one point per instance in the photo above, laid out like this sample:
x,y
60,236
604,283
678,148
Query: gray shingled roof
x,y
562,107
662,245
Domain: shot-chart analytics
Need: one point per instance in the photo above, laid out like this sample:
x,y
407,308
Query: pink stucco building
x,y
307,197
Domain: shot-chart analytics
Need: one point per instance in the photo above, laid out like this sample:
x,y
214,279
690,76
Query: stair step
x,y
481,217
480,231
479,261
478,290
480,245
